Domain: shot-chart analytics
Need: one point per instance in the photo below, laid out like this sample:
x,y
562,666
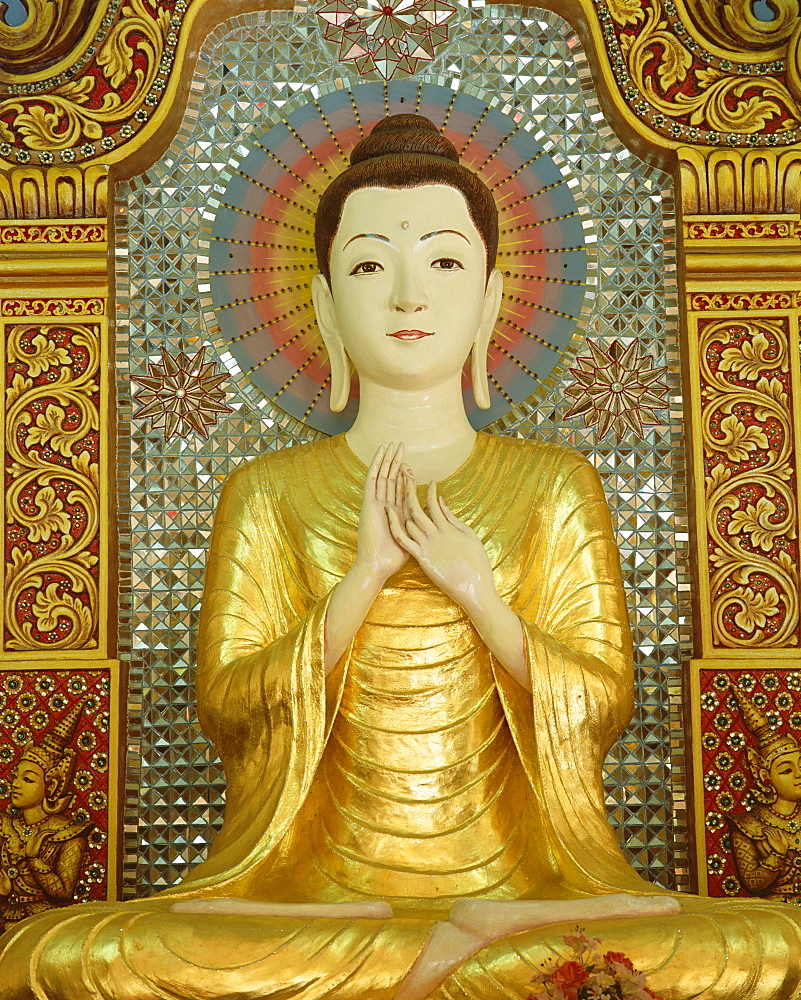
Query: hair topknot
x,y
403,134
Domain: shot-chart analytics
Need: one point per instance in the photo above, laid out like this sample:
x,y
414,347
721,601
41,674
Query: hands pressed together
x,y
393,526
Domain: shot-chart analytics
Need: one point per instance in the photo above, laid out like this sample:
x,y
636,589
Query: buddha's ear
x,y
329,329
489,316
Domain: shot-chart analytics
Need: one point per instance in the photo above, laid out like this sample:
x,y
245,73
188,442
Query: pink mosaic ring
x,y
261,254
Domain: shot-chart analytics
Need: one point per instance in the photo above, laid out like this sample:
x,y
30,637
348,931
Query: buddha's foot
x,y
377,910
447,947
475,923
492,919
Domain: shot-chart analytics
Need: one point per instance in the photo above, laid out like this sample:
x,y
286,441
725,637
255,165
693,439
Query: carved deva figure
x,y
41,847
766,842
412,687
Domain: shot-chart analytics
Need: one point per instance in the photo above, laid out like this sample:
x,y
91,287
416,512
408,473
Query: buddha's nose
x,y
408,294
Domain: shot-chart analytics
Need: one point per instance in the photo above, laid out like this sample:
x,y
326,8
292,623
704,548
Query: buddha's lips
x,y
410,334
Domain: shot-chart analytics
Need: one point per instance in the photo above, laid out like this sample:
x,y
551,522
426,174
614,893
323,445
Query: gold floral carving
x,y
733,25
751,514
71,232
84,108
740,229
676,67
741,301
52,498
72,306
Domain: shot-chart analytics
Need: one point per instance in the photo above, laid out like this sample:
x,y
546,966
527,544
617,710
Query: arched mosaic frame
x,y
643,807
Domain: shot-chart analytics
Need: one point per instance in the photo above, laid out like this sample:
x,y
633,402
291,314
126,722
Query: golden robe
x,y
418,772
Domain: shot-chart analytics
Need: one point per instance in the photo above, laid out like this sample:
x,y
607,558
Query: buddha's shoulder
x,y
535,457
279,467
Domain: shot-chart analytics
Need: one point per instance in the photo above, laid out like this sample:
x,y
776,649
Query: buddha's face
x,y
785,776
409,295
28,785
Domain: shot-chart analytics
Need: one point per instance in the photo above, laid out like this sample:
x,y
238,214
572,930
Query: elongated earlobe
x,y
478,357
340,382
478,375
337,356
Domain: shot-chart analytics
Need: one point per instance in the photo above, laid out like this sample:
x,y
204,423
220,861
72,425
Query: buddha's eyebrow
x,y
439,232
368,236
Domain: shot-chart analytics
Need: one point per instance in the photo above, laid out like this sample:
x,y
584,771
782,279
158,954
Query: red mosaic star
x,y
182,394
617,389
387,37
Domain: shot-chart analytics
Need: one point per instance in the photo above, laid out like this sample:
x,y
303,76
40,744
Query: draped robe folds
x,y
418,772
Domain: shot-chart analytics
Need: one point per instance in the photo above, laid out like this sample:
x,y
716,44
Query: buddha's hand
x,y
377,550
449,552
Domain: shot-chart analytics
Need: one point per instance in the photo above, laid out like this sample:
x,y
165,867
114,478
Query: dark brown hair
x,y
404,151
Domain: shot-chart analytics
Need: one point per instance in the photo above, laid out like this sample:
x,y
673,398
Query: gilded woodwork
x,y
742,182
88,91
117,82
62,192
38,704
52,500
750,482
743,846
49,32
42,845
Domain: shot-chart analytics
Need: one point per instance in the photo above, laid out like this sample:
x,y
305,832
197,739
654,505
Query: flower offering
x,y
586,974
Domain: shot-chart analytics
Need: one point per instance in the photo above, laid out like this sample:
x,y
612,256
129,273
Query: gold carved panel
x,y
748,409
51,502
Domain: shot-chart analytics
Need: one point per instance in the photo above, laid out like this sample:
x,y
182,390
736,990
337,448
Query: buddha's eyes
x,y
447,264
367,267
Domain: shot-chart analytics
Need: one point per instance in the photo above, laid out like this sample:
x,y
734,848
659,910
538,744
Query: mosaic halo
x,y
261,255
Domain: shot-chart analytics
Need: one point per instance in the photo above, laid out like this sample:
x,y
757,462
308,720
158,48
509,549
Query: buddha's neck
x,y
431,423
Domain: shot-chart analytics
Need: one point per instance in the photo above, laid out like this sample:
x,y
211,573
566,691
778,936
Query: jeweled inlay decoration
x,y
387,37
617,389
735,806
182,394
33,704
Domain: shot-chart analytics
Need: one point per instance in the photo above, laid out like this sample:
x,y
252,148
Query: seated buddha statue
x,y
413,658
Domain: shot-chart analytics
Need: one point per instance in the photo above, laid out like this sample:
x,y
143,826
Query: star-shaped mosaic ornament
x,y
182,394
618,389
387,38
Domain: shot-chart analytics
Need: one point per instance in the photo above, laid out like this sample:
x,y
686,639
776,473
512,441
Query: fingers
x,y
401,535
450,516
382,476
435,511
372,472
394,478
416,533
415,511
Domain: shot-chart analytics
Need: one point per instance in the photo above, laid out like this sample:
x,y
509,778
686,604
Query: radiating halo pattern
x,y
261,253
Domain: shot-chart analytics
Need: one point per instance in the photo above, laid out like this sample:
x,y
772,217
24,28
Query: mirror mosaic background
x,y
246,73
